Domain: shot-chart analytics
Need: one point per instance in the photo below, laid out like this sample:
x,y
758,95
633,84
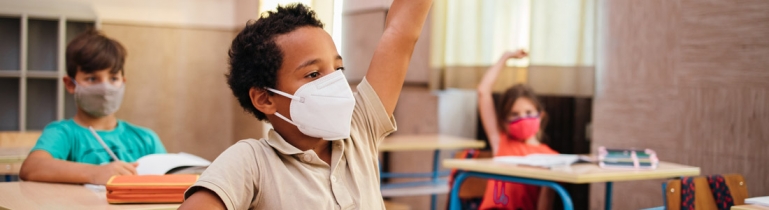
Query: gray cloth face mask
x,y
99,100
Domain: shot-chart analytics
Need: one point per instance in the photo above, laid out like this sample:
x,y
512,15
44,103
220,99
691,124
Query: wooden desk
x,y
580,173
396,206
9,139
434,142
10,169
577,173
36,195
14,147
749,207
11,159
428,142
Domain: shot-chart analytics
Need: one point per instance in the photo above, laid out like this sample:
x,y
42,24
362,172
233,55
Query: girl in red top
x,y
513,129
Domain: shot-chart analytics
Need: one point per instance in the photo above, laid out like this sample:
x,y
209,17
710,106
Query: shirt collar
x,y
276,141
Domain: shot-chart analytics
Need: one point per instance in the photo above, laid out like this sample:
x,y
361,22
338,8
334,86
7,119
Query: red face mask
x,y
523,128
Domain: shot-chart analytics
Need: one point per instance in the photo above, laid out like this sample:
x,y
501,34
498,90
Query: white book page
x,y
541,160
159,164
760,201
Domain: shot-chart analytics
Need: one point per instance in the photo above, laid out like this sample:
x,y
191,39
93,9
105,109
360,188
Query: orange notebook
x,y
149,188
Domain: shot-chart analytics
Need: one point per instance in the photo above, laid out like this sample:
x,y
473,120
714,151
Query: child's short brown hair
x,y
91,51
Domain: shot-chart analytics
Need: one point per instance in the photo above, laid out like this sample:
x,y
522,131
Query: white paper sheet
x,y
540,160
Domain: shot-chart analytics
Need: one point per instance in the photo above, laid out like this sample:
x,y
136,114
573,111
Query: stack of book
x,y
627,158
149,188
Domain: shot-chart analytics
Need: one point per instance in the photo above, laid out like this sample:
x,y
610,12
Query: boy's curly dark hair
x,y
255,58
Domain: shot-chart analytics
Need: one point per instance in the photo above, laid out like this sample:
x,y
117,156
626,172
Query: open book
x,y
759,201
539,160
159,164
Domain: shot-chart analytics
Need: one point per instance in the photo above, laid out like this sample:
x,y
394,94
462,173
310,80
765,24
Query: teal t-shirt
x,y
66,140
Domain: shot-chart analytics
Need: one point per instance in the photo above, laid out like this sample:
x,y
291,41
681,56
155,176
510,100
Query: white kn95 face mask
x,y
322,108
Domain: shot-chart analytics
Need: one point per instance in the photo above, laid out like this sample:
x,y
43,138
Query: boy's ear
x,y
69,84
262,101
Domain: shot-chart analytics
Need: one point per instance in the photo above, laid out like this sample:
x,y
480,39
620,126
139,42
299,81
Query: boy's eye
x,y
90,79
114,79
312,75
340,69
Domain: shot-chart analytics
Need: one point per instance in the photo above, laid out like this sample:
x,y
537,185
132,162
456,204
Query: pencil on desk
x,y
111,154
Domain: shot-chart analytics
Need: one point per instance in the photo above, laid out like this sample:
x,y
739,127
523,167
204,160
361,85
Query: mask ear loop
x,y
287,120
300,99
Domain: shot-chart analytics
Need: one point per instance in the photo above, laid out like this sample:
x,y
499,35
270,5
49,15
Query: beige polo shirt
x,y
272,174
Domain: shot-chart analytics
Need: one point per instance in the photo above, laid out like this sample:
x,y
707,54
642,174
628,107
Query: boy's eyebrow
x,y
307,63
313,61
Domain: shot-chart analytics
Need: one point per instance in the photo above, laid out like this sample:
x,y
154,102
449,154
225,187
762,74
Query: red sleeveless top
x,y
506,195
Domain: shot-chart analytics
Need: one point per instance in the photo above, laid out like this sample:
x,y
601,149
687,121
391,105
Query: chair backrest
x,y
473,187
703,197
19,139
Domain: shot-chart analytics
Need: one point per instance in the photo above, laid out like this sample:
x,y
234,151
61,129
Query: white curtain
x,y
476,33
563,32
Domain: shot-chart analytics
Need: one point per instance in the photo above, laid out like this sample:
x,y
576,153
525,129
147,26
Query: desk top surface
x,y
749,207
576,173
14,153
11,159
36,195
428,142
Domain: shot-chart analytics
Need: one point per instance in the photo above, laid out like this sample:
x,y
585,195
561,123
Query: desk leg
x,y
454,203
462,175
607,205
433,200
436,160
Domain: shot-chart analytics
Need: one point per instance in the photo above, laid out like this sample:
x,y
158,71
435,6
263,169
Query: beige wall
x,y
361,32
176,83
176,86
416,112
689,79
218,14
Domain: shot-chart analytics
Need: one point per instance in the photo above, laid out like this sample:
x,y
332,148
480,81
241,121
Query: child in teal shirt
x,y
67,140
68,151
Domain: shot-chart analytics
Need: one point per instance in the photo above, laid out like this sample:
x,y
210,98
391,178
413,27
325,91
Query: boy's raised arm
x,y
387,70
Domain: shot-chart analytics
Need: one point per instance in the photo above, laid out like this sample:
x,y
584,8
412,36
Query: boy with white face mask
x,y
68,151
323,150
